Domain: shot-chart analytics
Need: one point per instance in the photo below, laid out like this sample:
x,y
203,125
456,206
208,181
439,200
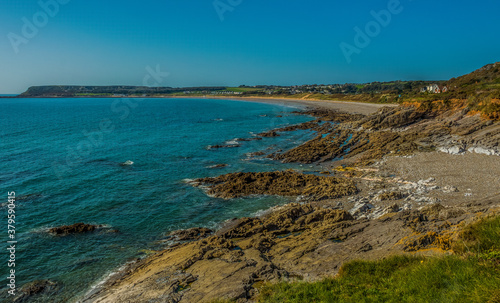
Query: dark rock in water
x,y
190,234
268,134
218,166
76,228
38,287
222,146
257,154
249,139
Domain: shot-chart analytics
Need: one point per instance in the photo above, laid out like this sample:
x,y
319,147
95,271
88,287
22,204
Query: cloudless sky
x,y
282,42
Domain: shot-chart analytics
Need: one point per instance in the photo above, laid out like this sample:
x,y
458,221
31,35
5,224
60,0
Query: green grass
x,y
480,237
472,275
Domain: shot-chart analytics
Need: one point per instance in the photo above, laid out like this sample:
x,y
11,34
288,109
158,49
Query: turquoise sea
x,y
62,158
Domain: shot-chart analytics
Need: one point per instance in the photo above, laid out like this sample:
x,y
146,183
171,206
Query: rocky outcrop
x,y
77,228
282,183
294,241
395,131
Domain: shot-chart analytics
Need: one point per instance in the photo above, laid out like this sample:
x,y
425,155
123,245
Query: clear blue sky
x,y
284,42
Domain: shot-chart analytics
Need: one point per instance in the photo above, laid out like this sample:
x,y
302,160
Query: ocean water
x,y
62,158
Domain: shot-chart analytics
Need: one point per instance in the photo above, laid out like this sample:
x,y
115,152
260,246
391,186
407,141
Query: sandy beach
x,y
344,106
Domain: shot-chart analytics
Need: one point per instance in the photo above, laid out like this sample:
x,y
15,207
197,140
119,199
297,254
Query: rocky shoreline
x,y
363,205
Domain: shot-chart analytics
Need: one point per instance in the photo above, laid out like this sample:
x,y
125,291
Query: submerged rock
x,y
218,166
257,154
35,288
222,146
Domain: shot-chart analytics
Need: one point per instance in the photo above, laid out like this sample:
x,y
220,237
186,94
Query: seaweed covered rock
x,y
77,228
282,183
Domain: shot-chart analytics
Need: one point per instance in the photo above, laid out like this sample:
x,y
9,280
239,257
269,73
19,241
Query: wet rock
x,y
76,228
268,134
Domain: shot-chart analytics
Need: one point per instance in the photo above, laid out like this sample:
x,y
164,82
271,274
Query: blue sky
x,y
283,42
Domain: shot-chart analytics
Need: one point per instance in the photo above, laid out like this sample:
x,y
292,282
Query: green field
x,y
244,89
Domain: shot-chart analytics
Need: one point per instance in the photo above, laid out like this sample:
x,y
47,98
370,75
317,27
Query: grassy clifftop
x,y
472,274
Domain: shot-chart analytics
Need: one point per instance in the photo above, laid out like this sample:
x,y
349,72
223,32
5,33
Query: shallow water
x,y
62,158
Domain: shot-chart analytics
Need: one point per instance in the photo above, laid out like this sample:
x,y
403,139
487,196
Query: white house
x,y
434,88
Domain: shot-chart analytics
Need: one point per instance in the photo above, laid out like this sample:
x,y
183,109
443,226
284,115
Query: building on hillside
x,y
434,89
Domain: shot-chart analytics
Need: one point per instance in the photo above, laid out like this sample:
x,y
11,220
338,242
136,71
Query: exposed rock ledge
x,y
294,241
283,183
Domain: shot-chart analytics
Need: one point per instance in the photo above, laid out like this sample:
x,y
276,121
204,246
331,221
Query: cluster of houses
x,y
434,89
206,92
